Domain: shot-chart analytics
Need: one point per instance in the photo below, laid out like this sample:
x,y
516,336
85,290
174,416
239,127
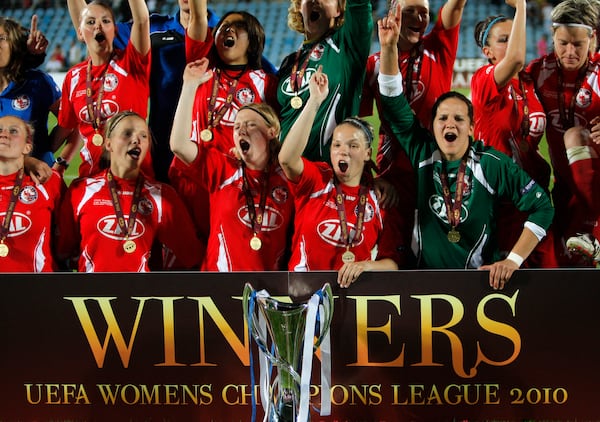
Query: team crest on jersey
x,y
110,82
245,96
331,232
438,207
28,195
418,89
19,224
584,98
145,206
109,227
317,52
369,212
272,218
280,194
22,102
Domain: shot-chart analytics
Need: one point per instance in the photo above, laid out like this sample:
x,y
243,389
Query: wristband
x,y
62,162
517,259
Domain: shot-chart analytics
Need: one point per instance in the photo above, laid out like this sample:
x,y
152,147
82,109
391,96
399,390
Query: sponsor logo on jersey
x,y
145,206
22,102
28,195
245,96
556,122
527,188
110,82
537,123
584,98
109,108
272,218
331,232
19,224
109,227
438,207
280,194
286,87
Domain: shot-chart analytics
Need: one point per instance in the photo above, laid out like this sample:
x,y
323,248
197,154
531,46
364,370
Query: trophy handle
x,y
327,300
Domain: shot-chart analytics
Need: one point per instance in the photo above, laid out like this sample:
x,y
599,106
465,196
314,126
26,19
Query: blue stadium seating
x,y
56,24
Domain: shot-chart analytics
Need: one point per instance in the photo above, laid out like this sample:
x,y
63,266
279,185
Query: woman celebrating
x,y
27,93
27,210
337,36
459,181
234,51
111,220
510,117
251,204
338,221
108,82
567,84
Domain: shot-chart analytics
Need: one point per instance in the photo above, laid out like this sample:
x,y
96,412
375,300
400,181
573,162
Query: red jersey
x,y
499,115
583,105
240,86
88,225
317,242
231,228
31,226
126,86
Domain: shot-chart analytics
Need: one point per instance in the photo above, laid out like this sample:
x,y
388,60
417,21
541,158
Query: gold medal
x,y
453,236
206,135
348,257
296,102
97,139
255,243
129,246
3,250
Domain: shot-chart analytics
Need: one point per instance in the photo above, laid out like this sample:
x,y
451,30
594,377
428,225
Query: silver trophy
x,y
287,334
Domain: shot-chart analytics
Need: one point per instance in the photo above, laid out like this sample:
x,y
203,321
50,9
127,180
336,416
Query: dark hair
x,y
457,95
482,29
17,41
256,37
361,124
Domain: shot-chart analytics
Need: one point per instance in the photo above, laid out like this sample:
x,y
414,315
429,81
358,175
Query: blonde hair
x,y
296,23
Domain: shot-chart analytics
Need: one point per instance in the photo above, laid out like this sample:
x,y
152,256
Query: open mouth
x,y
134,153
244,146
343,166
229,42
450,137
314,16
100,37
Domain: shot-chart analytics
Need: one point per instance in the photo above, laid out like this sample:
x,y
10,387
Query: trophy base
x,y
283,412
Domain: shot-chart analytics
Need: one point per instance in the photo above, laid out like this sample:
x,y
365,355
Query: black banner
x,y
418,346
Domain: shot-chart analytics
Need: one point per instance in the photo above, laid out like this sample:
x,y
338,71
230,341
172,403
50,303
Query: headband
x,y
361,125
488,27
256,110
116,119
573,25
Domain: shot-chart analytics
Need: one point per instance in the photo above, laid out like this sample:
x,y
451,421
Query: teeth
x,y
229,42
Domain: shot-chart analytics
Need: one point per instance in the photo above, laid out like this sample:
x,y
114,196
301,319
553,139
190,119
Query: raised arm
x,y
514,60
388,30
452,13
140,30
198,25
75,7
194,75
290,155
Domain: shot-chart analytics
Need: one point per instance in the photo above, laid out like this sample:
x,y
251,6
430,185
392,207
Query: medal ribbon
x,y
568,121
126,228
297,75
255,219
341,209
525,123
215,118
14,195
453,207
416,53
94,109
